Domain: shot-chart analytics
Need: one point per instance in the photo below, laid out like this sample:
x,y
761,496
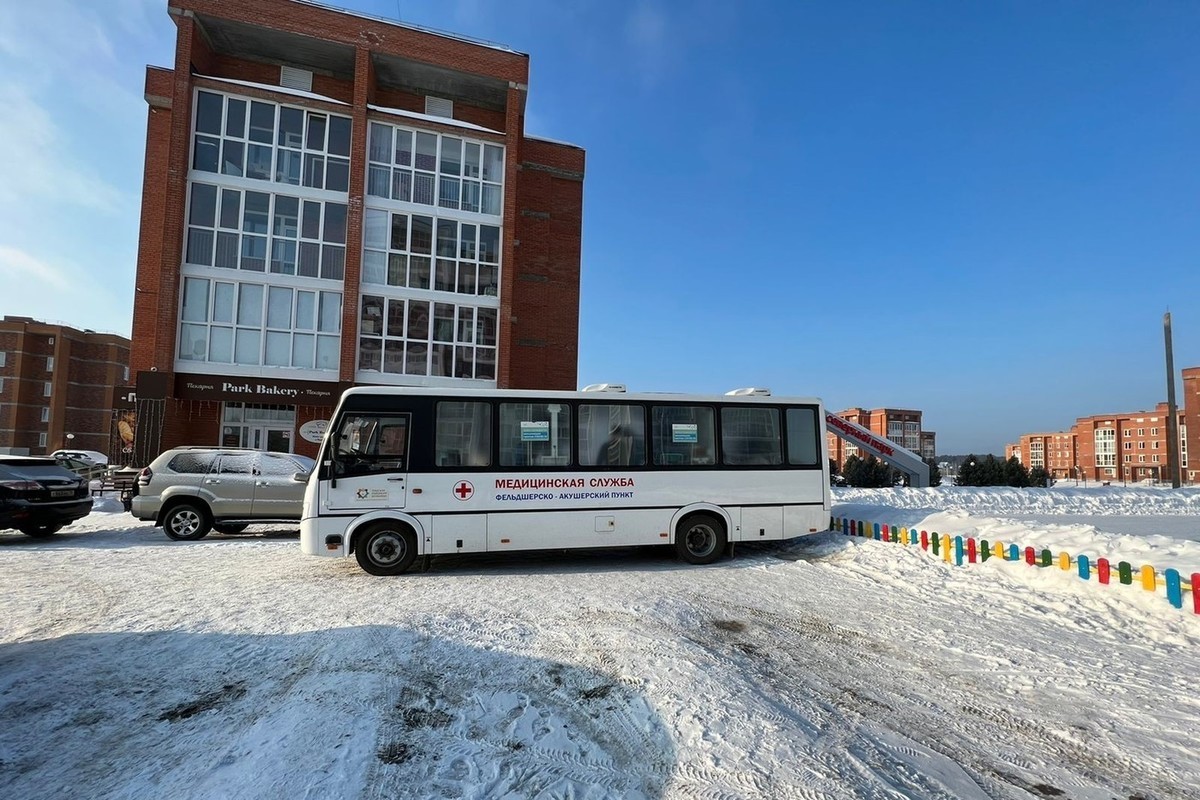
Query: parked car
x,y
95,456
84,468
192,490
38,497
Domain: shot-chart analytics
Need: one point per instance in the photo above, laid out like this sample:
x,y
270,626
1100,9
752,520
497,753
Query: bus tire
x,y
700,539
385,548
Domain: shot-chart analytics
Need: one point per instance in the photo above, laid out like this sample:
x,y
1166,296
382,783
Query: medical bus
x,y
409,472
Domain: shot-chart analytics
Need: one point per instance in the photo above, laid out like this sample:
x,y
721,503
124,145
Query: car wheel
x,y
186,522
230,527
700,539
386,548
40,531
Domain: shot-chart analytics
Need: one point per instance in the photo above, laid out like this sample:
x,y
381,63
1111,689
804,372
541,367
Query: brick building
x,y
1054,452
900,425
1130,446
332,199
58,382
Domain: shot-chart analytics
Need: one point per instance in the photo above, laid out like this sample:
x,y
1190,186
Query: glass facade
x,y
432,240
265,246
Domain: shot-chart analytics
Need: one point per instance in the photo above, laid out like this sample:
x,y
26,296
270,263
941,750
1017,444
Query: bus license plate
x,y
62,492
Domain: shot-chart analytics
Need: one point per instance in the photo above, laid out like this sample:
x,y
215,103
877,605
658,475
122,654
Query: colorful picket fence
x,y
958,551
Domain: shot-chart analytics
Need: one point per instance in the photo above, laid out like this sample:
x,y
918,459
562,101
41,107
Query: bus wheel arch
x,y
701,537
385,546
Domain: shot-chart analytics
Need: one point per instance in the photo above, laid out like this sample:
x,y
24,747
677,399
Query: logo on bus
x,y
463,490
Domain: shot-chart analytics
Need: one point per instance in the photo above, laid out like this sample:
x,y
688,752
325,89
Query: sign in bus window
x,y
535,435
683,436
612,435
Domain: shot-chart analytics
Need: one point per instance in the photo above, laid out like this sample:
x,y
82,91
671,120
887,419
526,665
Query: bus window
x,y
612,435
535,435
683,436
803,445
463,434
750,436
369,443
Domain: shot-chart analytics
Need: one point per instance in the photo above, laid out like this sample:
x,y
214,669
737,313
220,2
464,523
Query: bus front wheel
x,y
386,548
700,539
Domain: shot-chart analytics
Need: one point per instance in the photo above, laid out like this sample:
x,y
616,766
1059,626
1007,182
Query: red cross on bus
x,y
464,490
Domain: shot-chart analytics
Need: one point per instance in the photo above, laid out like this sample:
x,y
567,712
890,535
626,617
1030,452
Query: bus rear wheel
x,y
700,539
386,548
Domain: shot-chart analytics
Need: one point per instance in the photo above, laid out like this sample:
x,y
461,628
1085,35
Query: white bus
x,y
407,472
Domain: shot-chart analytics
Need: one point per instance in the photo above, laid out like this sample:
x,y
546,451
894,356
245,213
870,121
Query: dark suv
x,y
192,490
38,497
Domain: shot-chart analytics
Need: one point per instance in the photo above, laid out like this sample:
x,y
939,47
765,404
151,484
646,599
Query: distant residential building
x,y
57,386
900,425
1053,452
1129,446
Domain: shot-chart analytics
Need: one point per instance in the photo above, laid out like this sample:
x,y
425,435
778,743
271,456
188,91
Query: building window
x,y
1154,445
1154,431
261,232
407,336
46,389
1106,447
259,325
1128,445
1155,459
45,413
3,358
439,107
423,252
432,169
49,363
265,141
42,439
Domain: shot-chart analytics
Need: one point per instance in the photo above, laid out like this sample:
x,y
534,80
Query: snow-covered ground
x,y
831,667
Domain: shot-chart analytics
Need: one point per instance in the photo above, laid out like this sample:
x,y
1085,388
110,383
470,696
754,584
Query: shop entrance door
x,y
258,427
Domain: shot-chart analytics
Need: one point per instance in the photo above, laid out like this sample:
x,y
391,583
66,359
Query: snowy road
x,y
132,666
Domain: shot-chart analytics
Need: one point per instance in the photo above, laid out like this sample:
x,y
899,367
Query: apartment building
x,y
333,199
1128,447
1054,452
902,426
57,387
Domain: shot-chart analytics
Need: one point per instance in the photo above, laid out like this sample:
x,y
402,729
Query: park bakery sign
x,y
255,390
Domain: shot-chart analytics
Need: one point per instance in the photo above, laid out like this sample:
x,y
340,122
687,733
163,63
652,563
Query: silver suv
x,y
191,490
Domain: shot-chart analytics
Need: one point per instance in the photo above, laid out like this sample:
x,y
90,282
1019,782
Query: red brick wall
x,y
1191,417
545,292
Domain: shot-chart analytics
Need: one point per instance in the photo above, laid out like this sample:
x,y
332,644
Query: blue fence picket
x,y
1174,588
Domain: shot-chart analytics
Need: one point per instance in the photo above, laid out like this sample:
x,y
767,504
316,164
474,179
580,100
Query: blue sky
x,y
978,210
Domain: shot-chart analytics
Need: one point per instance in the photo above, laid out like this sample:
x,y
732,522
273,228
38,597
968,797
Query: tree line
x,y
987,470
991,471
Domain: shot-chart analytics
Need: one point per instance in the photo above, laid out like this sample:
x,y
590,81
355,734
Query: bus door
x,y
369,464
